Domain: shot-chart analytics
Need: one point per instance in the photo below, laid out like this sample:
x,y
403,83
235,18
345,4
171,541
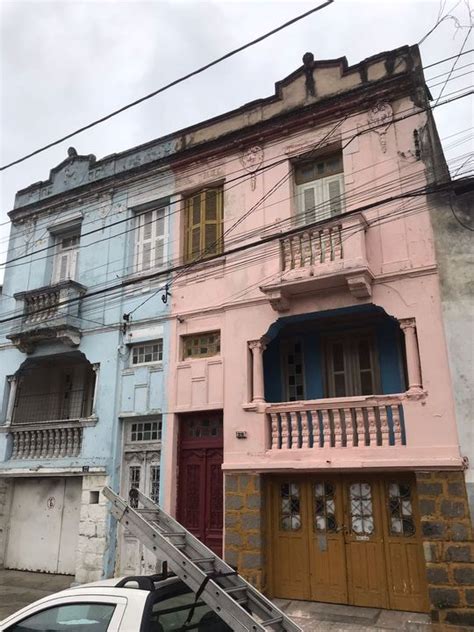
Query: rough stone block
x,y
231,483
427,507
254,501
456,489
434,530
437,575
244,481
453,509
232,519
251,521
459,531
464,575
469,593
431,552
255,540
251,560
233,538
232,557
429,489
444,597
234,502
458,553
460,617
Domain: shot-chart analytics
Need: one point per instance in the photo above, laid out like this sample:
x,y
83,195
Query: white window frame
x,y
146,238
68,254
159,430
150,343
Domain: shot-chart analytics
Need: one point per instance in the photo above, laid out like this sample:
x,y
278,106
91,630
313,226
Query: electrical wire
x,y
169,85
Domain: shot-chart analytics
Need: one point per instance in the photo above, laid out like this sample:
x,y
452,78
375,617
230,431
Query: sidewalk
x,y
315,617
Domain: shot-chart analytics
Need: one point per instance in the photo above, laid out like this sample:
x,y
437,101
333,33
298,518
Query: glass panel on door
x,y
290,514
325,507
401,519
361,509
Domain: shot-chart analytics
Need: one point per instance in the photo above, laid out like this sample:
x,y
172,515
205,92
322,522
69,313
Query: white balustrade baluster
x,y
304,429
76,439
69,442
63,442
26,449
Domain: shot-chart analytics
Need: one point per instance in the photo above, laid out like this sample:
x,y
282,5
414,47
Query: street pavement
x,y
20,588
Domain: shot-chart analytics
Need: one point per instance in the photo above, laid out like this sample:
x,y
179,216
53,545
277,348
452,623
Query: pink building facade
x,y
307,348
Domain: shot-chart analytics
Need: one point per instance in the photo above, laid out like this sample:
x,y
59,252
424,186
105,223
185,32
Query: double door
x,y
200,479
347,539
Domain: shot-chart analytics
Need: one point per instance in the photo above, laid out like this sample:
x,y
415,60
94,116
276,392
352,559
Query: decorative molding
x,y
380,116
278,300
251,159
360,285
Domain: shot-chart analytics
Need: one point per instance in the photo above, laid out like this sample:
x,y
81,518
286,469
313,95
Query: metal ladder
x,y
237,602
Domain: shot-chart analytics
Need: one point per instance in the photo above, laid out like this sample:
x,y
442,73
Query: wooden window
x,y
65,260
202,345
351,365
147,353
203,236
319,189
149,233
293,370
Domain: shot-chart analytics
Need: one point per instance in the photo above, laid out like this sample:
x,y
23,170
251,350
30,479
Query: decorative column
x,y
258,347
96,369
13,381
413,357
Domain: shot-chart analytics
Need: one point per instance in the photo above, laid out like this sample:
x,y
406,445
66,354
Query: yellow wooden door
x,y
290,538
326,551
365,554
403,548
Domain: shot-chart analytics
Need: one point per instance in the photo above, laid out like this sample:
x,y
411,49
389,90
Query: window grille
x,y
202,345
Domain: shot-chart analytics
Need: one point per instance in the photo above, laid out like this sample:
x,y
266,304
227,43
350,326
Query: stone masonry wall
x,y
92,542
244,526
449,547
6,486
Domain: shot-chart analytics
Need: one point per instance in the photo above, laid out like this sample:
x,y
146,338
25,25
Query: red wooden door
x,y
200,479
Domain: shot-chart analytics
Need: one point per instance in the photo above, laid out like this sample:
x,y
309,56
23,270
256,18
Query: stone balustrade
x,y
313,246
49,312
54,441
351,422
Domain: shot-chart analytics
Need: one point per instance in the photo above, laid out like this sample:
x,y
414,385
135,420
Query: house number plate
x,y
50,503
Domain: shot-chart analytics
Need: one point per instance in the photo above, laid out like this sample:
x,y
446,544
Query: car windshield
x,y
175,610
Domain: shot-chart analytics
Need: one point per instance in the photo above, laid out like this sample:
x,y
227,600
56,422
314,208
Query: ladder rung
x,y
234,589
202,560
271,621
175,534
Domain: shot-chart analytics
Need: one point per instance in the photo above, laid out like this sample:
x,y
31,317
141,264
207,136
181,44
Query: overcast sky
x,y
66,63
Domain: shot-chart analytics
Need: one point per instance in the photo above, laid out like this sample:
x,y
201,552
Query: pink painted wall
x,y
226,295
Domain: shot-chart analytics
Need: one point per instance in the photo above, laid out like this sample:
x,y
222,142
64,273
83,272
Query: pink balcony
x,y
374,431
321,257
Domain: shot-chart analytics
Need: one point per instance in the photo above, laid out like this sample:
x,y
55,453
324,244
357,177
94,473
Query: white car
x,y
131,604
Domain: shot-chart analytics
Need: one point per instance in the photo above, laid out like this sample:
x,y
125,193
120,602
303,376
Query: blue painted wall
x,y
387,335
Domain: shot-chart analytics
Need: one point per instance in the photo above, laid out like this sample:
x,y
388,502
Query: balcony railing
x,y
321,257
312,247
45,407
60,440
337,423
49,312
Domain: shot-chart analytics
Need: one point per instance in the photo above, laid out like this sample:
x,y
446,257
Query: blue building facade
x,y
82,371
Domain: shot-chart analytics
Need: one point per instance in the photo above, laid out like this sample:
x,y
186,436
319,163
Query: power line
x,y
454,64
170,85
176,269
244,176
